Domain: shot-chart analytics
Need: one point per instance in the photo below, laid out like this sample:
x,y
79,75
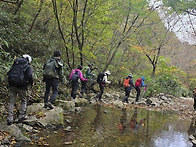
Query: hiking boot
x,y
9,123
48,105
21,120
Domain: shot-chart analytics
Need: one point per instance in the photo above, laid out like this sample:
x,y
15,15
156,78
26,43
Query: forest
x,y
123,36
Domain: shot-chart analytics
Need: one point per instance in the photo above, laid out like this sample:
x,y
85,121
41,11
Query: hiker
x,y
87,74
75,75
194,96
102,79
20,76
52,76
138,84
128,84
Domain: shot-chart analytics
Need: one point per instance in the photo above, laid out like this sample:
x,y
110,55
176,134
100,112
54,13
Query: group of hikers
x,y
20,76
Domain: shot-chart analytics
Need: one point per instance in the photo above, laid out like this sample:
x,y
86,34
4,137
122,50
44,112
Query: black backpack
x,y
75,76
17,73
100,78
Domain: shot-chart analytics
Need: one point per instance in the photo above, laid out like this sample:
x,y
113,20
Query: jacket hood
x,y
143,78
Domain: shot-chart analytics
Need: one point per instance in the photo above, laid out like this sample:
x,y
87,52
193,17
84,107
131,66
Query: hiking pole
x,y
143,93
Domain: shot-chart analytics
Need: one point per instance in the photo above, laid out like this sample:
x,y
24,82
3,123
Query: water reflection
x,y
97,122
135,123
123,121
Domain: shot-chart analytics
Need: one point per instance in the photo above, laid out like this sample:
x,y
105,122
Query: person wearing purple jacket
x,y
75,75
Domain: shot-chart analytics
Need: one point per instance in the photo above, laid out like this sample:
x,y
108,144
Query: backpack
x,y
17,73
138,82
75,76
126,82
100,78
50,69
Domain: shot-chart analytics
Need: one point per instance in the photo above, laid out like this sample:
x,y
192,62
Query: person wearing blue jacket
x,y
128,88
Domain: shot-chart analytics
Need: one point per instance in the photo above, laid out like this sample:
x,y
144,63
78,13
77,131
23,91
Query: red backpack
x,y
126,82
138,82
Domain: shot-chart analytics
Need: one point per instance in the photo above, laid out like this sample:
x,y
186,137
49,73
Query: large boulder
x,y
66,105
45,116
14,131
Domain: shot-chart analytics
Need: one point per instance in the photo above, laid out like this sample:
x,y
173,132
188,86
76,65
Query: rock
x,y
31,120
194,142
164,98
148,101
52,117
81,102
68,128
15,131
28,128
191,137
118,103
78,109
66,105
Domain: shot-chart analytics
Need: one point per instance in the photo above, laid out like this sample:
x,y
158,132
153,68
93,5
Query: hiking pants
x,y
127,93
51,83
101,87
74,86
138,93
22,94
84,86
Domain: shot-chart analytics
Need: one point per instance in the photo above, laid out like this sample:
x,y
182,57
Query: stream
x,y
97,125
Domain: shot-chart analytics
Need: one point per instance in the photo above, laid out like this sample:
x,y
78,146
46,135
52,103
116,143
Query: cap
x,y
107,72
27,57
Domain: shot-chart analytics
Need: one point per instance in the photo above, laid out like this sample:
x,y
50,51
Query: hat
x,y
143,78
27,57
79,67
130,75
57,53
107,72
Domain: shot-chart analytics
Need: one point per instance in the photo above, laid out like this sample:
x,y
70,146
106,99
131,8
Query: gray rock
x,y
28,128
52,117
66,105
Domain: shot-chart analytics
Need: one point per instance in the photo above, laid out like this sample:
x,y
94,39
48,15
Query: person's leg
x,y
127,93
74,89
54,90
47,92
101,92
138,94
23,105
194,103
13,95
83,88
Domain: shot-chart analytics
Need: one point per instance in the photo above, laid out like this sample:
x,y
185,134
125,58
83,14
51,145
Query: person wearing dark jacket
x,y
53,81
102,79
128,88
75,83
20,91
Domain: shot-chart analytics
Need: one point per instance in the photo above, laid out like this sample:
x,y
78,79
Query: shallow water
x,y
113,127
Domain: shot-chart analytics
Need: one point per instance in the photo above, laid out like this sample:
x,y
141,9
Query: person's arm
x,y
89,72
81,77
29,73
131,83
72,72
105,79
143,85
